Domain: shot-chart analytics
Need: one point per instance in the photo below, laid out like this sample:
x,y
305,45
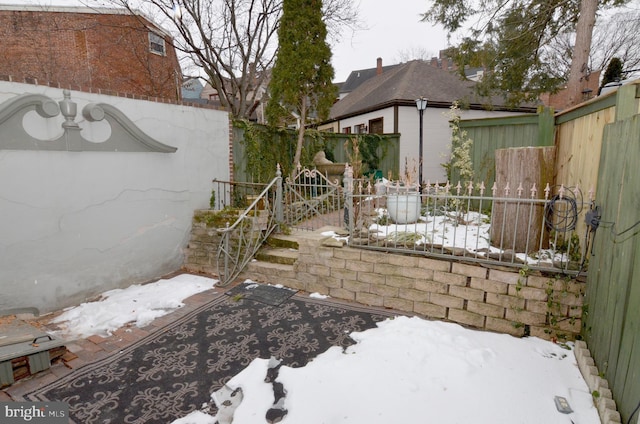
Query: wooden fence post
x,y
627,101
546,126
524,166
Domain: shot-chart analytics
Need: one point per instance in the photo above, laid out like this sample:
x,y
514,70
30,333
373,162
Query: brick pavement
x,y
97,347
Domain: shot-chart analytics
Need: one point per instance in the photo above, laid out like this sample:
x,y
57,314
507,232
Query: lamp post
x,y
421,104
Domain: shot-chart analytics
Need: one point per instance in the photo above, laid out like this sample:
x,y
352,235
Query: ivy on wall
x,y
263,147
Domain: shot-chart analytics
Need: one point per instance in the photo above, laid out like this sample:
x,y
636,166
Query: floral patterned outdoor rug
x,y
173,372
263,293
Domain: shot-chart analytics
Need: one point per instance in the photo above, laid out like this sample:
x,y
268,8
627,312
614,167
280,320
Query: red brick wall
x,y
87,52
560,100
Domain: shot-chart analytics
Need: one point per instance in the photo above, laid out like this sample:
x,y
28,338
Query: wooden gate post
x,y
518,225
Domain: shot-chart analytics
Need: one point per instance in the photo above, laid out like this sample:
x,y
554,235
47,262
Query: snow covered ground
x,y
468,231
138,304
408,370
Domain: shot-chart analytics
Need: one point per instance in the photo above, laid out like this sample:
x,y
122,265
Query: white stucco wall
x,y
436,134
75,224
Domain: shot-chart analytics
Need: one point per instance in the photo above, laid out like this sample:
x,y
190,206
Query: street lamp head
x,y
421,103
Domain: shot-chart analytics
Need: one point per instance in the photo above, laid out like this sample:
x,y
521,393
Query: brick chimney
x,y
379,66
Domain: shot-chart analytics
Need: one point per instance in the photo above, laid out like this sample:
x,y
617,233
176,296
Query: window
x,y
346,130
360,129
156,44
376,126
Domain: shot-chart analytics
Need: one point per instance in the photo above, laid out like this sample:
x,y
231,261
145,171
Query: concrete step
x,y
283,241
277,255
259,270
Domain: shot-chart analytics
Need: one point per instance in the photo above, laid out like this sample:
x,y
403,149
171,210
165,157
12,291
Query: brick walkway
x,y
96,347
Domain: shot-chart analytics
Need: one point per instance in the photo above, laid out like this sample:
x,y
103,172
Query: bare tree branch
x,y
233,43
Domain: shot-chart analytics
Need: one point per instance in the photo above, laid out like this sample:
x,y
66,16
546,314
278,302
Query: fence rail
x,y
240,240
545,229
470,223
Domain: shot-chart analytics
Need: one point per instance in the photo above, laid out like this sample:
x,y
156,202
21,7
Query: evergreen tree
x,y
613,72
301,84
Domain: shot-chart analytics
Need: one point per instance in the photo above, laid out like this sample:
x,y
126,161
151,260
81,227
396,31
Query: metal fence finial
x,y
547,190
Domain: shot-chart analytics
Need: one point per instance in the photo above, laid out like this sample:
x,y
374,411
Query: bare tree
x,y
617,36
413,53
233,42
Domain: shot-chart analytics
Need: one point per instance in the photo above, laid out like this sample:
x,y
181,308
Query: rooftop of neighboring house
x,y
192,88
404,83
356,78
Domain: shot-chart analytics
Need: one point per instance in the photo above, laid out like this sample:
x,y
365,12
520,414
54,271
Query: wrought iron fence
x,y
233,194
522,227
253,223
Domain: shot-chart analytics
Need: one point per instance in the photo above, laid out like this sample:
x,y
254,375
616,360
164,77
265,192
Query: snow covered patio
x,y
402,369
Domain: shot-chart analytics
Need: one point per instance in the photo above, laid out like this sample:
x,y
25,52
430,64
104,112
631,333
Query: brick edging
x,y
604,400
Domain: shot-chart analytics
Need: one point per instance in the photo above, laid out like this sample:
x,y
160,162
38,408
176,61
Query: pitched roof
x,y
356,78
405,83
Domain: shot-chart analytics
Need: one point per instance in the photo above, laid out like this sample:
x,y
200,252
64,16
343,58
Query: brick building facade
x,y
88,49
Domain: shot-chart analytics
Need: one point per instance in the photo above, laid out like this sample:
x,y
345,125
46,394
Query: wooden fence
x,y
598,149
491,134
612,325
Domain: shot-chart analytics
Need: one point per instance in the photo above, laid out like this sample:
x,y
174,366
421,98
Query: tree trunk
x,y
303,119
580,61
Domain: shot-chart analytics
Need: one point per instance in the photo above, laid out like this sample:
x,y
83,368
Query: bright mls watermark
x,y
34,412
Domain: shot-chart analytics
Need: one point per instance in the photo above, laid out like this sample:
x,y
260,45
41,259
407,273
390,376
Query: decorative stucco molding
x,y
124,135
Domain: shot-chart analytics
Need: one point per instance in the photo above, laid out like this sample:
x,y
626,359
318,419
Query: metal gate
x,y
313,200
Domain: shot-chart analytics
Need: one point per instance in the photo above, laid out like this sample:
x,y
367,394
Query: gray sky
x,y
393,27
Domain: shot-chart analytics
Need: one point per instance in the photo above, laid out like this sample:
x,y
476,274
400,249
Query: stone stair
x,y
275,260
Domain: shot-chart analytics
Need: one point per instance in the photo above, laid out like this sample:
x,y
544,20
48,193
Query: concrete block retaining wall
x,y
200,255
490,299
500,300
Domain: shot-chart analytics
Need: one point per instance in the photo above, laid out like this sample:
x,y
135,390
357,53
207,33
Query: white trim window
x,y
360,129
156,44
